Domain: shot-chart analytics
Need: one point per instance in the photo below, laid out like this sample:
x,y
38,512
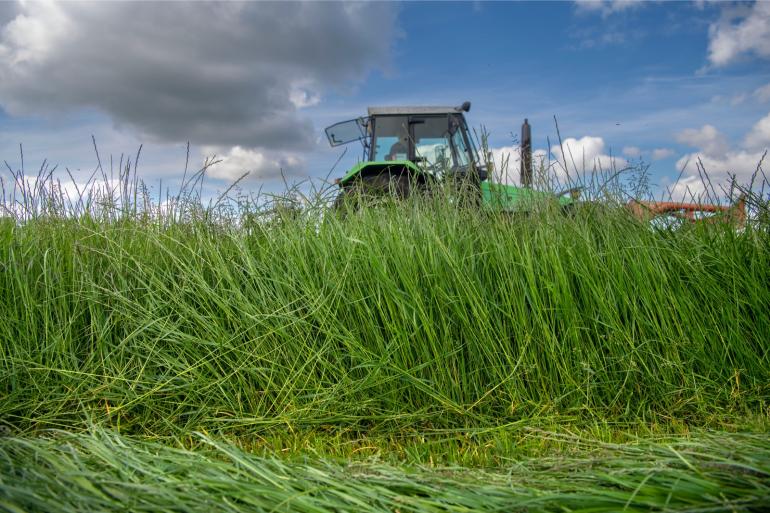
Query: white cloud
x,y
720,162
662,153
759,136
763,93
740,163
55,194
260,165
707,138
304,94
747,34
586,154
507,164
632,151
607,7
688,188
30,36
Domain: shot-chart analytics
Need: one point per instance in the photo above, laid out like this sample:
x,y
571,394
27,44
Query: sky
x,y
662,83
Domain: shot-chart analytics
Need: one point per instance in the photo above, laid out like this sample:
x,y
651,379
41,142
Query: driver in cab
x,y
397,151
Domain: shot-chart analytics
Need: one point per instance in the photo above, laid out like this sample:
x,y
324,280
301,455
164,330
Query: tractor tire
x,y
368,189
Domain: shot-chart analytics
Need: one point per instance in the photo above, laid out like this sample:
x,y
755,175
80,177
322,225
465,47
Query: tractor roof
x,y
385,111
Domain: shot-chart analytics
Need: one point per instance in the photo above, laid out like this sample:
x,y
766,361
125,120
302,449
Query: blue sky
x,y
665,82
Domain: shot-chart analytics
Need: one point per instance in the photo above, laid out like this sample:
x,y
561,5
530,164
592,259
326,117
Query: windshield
x,y
439,140
431,141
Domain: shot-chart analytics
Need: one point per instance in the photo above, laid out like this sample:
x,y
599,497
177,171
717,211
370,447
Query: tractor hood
x,y
509,198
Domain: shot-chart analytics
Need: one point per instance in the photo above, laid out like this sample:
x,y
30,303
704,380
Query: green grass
x,y
417,339
431,319
104,472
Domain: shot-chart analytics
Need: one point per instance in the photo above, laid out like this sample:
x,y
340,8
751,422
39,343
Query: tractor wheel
x,y
368,189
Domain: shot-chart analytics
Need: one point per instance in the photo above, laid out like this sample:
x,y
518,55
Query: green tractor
x,y
409,149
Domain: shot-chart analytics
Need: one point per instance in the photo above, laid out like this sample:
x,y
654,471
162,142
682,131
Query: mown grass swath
x,y
106,472
412,324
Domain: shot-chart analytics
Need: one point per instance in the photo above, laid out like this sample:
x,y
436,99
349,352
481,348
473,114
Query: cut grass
x,y
105,472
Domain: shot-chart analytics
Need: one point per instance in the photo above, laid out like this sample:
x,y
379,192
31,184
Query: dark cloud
x,y
210,73
8,11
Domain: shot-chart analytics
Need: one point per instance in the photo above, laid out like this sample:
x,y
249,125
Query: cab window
x,y
391,141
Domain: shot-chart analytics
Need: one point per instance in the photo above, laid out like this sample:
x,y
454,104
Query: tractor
x,y
409,149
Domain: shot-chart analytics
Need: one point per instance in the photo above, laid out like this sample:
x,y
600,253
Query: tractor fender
x,y
391,167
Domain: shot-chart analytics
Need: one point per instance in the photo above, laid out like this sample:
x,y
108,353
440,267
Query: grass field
x,y
419,356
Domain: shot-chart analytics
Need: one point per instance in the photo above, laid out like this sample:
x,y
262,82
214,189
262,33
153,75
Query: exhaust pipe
x,y
526,154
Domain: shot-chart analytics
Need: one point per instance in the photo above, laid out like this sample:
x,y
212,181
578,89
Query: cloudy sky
x,y
256,83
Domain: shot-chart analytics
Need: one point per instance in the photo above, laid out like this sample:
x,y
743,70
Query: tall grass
x,y
422,315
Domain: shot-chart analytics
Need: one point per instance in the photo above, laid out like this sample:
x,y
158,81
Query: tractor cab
x,y
427,141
